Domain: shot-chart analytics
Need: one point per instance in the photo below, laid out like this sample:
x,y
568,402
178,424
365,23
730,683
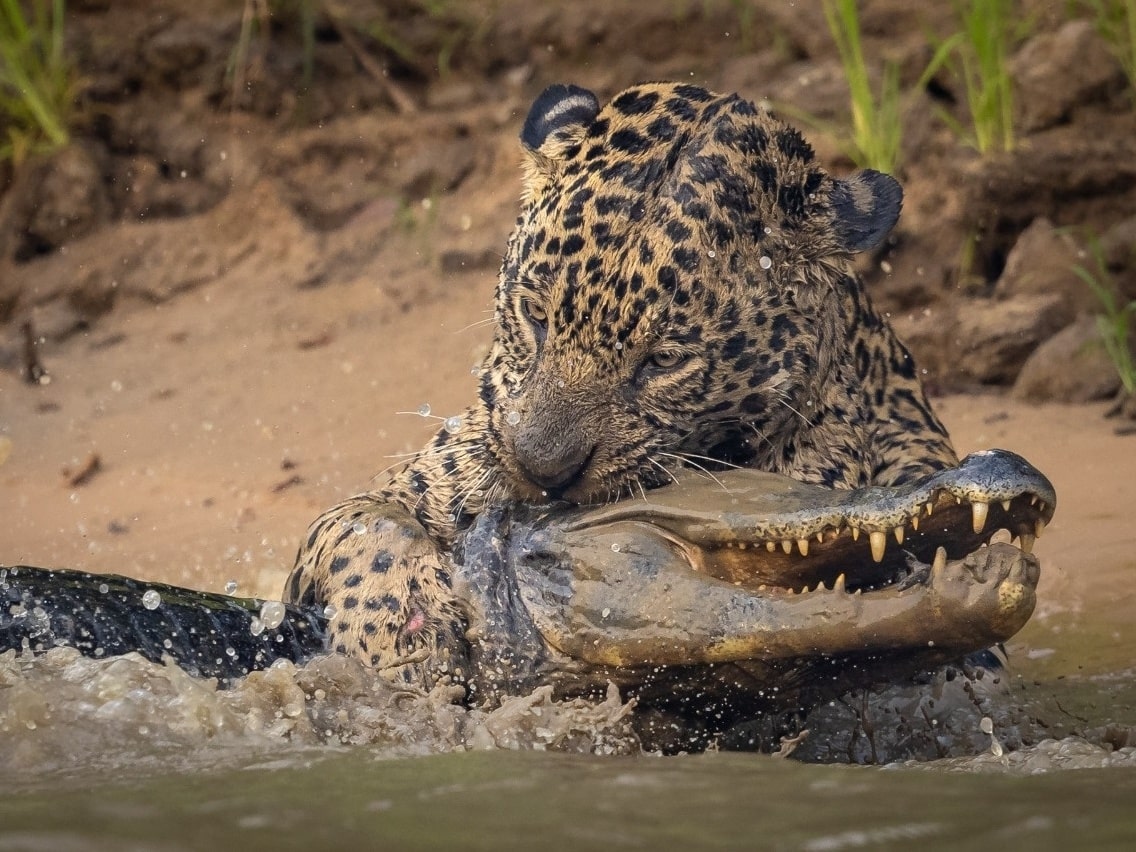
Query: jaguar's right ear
x,y
556,123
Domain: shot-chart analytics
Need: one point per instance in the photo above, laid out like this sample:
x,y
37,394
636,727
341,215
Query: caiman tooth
x,y
1041,505
1026,543
879,542
787,546
771,546
930,507
855,533
979,511
898,531
1033,499
1005,505
1038,527
820,536
939,565
915,521
838,586
803,546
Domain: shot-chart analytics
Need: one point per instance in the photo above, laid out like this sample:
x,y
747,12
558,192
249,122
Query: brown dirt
x,y
242,307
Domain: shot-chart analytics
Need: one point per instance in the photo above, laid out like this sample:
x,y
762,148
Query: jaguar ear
x,y
865,207
556,123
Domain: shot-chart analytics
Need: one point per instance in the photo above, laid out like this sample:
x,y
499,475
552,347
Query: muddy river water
x,y
123,754
526,800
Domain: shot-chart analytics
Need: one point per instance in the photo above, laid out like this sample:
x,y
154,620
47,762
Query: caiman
x,y
722,598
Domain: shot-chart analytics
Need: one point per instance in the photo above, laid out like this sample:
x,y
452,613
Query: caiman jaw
x,y
1015,517
947,526
771,536
686,575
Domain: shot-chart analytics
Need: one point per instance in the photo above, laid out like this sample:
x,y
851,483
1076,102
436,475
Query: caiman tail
x,y
207,634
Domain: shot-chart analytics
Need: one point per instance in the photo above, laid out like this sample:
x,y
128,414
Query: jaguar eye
x,y
667,359
534,312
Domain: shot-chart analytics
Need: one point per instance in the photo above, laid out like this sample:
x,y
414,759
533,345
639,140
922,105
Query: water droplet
x,y
151,600
272,614
452,424
618,345
167,644
615,547
424,409
231,653
230,587
103,588
710,253
330,611
513,418
359,528
116,386
256,626
768,229
765,261
986,725
606,612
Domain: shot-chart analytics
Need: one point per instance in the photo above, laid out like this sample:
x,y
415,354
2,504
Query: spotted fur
x,y
678,289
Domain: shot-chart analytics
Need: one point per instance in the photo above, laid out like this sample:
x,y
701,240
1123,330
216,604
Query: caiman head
x,y
748,593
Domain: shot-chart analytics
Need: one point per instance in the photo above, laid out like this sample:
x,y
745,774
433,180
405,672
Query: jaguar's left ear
x,y
556,123
865,208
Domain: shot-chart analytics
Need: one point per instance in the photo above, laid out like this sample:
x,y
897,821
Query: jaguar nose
x,y
557,469
554,479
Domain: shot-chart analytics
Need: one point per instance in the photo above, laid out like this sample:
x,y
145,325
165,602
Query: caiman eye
x,y
667,359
